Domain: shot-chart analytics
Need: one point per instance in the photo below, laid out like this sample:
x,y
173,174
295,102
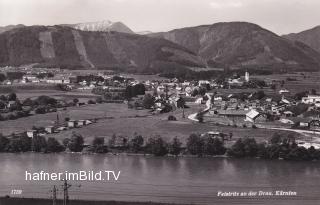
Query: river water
x,y
177,180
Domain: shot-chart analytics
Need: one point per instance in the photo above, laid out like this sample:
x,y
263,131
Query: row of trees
x,y
11,76
201,145
283,147
23,143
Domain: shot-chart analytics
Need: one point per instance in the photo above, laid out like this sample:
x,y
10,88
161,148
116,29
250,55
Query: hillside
x,y
10,27
309,37
102,26
69,48
243,45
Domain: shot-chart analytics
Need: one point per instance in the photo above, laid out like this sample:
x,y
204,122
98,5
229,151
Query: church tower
x,y
247,77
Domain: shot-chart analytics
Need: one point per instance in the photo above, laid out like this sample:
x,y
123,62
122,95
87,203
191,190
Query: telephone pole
x,y
54,195
66,186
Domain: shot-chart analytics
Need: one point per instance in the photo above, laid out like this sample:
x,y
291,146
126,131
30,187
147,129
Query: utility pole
x,y
54,195
183,115
66,186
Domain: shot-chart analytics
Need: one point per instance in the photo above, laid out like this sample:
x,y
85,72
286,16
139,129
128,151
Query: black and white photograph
x,y
159,102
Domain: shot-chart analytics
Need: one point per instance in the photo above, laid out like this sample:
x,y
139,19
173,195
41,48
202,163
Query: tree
x,y
273,151
214,146
14,75
76,143
2,77
41,110
199,117
172,118
195,145
20,144
98,145
250,147
39,144
98,141
275,139
91,102
148,101
2,105
112,141
237,149
175,147
298,153
3,143
65,142
259,95
75,100
45,100
136,143
12,97
157,146
99,100
53,145
27,102
262,151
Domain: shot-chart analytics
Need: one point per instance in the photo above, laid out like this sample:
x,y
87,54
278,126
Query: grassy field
x,y
305,81
26,201
127,122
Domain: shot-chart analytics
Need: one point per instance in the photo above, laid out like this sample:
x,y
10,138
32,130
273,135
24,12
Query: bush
x,y
53,145
195,144
39,144
41,110
98,141
91,102
247,147
76,143
3,143
148,101
172,118
136,143
99,100
157,146
20,144
214,146
237,149
175,147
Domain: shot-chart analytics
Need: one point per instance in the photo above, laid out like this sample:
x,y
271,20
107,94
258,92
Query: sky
x,y
279,16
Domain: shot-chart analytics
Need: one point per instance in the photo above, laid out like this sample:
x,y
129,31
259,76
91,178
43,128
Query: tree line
x,y
278,147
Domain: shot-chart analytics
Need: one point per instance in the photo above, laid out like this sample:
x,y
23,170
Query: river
x,y
177,180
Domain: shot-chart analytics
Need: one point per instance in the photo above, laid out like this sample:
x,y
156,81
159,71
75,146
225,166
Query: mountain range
x,y
65,47
242,44
112,45
309,37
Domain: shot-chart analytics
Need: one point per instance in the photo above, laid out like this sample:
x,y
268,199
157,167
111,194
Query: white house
x,y
284,91
31,133
254,116
311,99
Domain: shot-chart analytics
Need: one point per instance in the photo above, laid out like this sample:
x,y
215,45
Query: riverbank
x,y
33,201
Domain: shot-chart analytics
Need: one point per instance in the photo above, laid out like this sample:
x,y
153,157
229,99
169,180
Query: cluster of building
x,y
51,129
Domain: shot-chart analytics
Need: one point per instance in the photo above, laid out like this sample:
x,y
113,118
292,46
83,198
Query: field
x,y
300,81
127,122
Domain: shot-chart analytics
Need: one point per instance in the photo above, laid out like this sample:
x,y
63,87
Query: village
x,y
234,101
